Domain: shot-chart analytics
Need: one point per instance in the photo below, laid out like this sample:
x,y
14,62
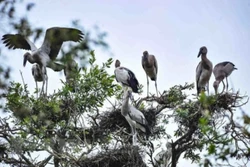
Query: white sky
x,y
172,30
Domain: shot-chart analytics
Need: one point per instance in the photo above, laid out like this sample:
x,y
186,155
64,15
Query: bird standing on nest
x,y
135,118
221,71
126,77
203,71
150,66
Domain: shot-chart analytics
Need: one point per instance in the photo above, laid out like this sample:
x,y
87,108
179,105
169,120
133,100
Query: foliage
x,y
76,129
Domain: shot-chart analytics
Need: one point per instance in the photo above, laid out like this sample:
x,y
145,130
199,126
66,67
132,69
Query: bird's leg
x,y
208,88
36,90
227,84
46,78
156,88
133,135
223,86
147,85
42,91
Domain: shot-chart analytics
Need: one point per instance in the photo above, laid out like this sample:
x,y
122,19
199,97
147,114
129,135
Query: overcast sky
x,y
172,30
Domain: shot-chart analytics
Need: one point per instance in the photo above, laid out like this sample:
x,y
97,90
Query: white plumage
x,y
47,53
221,71
135,118
150,66
126,77
203,71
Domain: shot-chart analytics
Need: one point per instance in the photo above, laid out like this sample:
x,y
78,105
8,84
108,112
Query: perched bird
x,y
163,158
203,71
70,72
126,77
150,66
47,53
222,70
135,118
40,77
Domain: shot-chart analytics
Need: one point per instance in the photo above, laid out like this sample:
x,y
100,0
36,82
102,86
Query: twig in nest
x,y
22,78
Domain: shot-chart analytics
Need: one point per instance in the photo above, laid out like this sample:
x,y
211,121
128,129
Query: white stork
x,y
47,53
135,118
126,77
150,66
222,70
40,77
203,71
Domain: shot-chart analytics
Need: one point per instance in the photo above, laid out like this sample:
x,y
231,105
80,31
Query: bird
x,y
126,77
70,71
45,55
134,117
150,66
203,71
163,158
222,70
40,77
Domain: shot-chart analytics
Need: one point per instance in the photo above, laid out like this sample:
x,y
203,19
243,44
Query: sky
x,y
172,30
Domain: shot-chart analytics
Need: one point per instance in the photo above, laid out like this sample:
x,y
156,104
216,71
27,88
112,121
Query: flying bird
x,y
150,66
40,76
135,118
222,70
47,53
126,77
203,71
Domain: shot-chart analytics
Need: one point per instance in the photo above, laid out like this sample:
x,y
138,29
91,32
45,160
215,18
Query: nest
x,y
127,156
113,121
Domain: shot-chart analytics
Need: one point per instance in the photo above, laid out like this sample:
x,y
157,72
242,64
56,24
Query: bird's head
x,y
216,85
203,50
145,55
117,63
25,58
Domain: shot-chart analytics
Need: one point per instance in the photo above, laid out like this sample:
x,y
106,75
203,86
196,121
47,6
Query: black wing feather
x,y
55,37
15,41
132,81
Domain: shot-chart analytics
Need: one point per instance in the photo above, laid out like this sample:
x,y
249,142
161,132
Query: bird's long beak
x,y
25,60
199,54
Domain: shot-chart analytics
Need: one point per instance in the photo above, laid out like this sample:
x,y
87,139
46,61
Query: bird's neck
x,y
146,62
204,57
31,59
125,106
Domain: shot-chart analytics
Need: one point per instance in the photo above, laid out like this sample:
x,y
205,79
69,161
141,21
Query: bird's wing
x,y
155,64
55,37
198,73
142,63
18,41
137,115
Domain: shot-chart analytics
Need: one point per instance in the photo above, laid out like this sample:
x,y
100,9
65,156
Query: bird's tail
x,y
133,83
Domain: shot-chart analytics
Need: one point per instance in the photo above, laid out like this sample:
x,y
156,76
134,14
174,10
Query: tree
x,y
74,129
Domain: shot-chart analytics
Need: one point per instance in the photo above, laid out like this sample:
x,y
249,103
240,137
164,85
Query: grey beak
x,y
25,60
